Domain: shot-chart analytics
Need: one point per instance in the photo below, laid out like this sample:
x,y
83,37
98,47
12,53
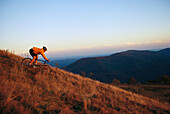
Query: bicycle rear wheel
x,y
45,69
25,62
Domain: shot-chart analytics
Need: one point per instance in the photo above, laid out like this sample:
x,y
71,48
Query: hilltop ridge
x,y
143,65
65,92
165,51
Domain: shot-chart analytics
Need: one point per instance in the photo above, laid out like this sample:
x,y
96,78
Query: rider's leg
x,y
33,56
36,59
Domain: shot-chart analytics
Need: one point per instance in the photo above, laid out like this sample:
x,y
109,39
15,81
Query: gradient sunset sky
x,y
84,27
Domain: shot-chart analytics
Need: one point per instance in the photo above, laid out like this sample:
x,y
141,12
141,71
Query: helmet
x,y
44,48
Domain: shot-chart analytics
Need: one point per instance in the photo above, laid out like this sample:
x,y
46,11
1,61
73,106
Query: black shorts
x,y
32,52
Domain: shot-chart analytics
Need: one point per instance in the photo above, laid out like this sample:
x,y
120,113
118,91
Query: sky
x,y
84,27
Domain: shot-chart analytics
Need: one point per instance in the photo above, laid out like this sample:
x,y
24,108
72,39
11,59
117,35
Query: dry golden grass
x,y
65,92
157,92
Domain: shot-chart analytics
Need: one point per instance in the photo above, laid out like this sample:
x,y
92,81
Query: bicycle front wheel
x,y
45,69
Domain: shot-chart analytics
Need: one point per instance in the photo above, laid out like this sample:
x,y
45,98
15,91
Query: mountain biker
x,y
34,52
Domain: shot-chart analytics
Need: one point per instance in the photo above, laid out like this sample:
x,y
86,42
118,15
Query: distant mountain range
x,y
65,61
142,65
62,62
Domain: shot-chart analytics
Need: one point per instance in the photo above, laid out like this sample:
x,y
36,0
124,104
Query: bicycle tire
x,y
25,62
45,69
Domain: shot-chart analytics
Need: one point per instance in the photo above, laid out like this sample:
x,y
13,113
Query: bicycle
x,y
41,67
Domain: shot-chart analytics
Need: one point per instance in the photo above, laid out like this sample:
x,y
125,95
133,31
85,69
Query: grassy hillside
x,y
65,92
158,92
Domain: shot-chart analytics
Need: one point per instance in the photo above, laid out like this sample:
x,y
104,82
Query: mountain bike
x,y
41,67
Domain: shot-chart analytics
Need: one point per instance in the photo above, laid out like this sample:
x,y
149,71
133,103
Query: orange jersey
x,y
39,51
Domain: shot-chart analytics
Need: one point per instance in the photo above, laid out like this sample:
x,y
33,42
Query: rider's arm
x,y
44,56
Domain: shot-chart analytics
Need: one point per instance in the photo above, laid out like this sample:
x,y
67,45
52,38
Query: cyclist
x,y
34,52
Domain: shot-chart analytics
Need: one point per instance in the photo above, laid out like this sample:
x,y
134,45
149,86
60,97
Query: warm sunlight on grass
x,y
65,92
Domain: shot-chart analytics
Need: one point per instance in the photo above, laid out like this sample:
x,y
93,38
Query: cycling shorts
x,y
32,52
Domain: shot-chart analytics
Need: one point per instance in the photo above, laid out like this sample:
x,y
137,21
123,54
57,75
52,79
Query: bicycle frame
x,y
40,60
43,65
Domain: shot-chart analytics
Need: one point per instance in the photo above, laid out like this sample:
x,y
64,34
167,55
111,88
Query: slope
x,y
165,51
142,65
65,92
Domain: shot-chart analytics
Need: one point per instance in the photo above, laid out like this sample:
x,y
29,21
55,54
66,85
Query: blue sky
x,y
84,27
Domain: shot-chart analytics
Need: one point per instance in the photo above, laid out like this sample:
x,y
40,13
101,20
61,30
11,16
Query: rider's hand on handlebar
x,y
48,60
